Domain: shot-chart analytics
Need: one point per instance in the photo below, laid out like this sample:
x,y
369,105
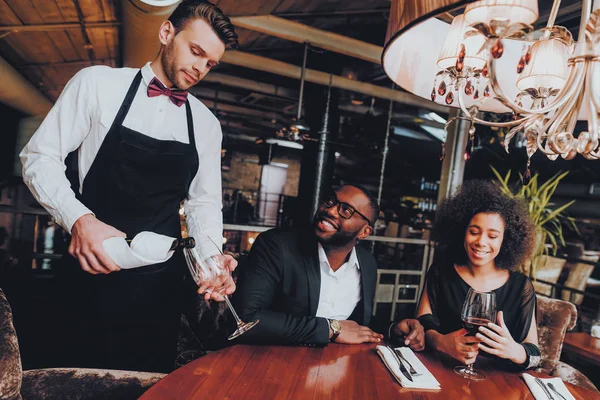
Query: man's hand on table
x,y
87,236
412,333
353,333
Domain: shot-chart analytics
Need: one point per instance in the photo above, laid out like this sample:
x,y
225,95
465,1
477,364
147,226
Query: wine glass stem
x,y
237,319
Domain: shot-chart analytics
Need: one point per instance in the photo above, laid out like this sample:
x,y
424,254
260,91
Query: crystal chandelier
x,y
490,59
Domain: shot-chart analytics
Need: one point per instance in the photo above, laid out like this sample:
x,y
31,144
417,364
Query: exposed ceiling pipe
x,y
141,20
296,32
270,65
17,92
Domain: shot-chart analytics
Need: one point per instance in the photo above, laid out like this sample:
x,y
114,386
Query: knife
x,y
411,368
402,367
405,371
553,388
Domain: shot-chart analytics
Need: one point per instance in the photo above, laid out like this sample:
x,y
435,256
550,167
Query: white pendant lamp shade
x,y
411,61
524,11
548,67
453,43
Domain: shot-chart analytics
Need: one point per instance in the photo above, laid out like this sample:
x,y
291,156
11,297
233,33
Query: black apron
x,y
130,318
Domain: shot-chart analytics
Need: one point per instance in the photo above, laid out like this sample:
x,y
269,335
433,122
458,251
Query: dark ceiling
x,y
357,134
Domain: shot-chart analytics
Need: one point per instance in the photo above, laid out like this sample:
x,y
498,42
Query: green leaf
x,y
495,171
552,240
556,212
545,214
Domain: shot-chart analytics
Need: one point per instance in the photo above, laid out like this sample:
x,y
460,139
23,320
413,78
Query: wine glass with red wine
x,y
479,309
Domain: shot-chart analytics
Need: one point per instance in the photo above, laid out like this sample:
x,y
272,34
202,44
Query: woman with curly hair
x,y
483,237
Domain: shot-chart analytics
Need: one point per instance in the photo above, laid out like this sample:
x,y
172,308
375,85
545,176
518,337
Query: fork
x,y
391,349
544,388
411,369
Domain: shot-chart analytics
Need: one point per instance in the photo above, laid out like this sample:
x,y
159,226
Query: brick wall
x,y
245,173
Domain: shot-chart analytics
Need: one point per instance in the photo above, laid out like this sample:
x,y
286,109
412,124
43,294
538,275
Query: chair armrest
x,y
84,383
10,359
569,374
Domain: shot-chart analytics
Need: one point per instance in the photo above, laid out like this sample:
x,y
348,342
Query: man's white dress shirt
x,y
81,118
340,290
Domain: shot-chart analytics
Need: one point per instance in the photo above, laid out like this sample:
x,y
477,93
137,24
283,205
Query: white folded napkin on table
x,y
539,393
147,248
424,381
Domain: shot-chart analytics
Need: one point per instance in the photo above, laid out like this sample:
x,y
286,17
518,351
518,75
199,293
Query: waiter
x,y
143,146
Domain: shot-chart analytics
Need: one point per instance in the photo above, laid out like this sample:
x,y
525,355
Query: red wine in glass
x,y
478,310
472,324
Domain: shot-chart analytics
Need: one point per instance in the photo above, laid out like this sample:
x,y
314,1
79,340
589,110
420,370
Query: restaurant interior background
x,y
268,172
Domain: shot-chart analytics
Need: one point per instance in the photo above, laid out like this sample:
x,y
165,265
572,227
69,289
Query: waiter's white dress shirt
x,y
340,290
81,118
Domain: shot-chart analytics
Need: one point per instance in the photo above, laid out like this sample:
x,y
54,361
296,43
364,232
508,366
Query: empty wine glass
x,y
479,309
209,267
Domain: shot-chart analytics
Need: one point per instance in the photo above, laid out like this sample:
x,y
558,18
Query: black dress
x,y
447,292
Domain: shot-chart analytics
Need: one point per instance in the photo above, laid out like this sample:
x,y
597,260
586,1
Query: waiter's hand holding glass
x,y
211,270
222,283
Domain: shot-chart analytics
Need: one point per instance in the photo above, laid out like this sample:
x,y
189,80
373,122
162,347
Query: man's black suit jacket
x,y
280,282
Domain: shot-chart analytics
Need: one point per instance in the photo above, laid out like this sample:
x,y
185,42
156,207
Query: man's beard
x,y
337,239
168,64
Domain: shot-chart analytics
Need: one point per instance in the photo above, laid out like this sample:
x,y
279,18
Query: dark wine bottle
x,y
188,242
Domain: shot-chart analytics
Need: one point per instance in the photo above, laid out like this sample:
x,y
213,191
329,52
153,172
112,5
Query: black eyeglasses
x,y
345,210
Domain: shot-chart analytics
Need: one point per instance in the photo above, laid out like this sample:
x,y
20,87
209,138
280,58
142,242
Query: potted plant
x,y
546,215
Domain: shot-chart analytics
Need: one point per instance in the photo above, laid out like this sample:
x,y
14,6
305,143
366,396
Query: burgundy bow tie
x,y
156,88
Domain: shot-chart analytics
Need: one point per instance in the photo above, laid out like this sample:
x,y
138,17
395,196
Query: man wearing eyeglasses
x,y
315,286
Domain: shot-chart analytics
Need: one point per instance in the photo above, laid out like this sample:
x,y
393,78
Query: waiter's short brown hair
x,y
207,11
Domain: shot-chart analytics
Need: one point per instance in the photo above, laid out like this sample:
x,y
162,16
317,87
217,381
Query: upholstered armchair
x,y
554,319
61,383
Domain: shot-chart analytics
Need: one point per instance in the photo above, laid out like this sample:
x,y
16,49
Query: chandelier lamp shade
x,y
523,11
484,56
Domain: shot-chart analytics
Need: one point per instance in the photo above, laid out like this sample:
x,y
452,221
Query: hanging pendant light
x,y
297,131
300,125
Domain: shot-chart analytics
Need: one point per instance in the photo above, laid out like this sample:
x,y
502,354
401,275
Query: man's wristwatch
x,y
336,328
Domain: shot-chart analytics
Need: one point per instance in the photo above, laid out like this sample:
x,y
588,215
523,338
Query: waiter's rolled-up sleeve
x,y
63,130
203,207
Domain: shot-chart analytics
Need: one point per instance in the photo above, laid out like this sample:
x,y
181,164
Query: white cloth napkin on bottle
x,y
539,393
146,248
424,381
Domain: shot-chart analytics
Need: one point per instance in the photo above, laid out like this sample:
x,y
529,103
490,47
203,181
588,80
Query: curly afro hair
x,y
480,196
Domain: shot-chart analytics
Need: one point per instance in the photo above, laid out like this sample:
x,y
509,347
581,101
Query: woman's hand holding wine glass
x,y
479,309
497,340
459,346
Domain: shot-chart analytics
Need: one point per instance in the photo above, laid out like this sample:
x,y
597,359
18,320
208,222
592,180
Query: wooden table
x,y
584,345
334,372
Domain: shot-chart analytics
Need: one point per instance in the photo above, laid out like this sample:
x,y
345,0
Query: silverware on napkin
x,y
544,388
402,367
411,368
553,388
